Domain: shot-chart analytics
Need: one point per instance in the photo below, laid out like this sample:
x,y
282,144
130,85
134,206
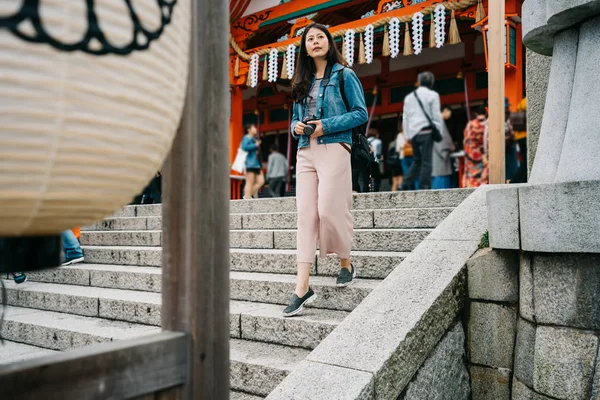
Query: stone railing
x,y
378,349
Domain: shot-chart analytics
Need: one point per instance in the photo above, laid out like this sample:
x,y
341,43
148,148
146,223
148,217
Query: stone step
x,y
363,201
257,368
11,352
372,264
364,239
248,320
363,219
144,306
60,331
278,288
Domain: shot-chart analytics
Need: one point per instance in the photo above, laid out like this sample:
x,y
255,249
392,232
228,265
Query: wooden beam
x,y
196,210
115,370
496,49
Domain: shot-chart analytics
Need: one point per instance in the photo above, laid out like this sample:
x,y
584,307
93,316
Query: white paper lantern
x,y
86,120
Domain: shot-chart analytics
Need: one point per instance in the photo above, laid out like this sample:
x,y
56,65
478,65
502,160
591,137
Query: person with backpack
x,y
329,103
422,119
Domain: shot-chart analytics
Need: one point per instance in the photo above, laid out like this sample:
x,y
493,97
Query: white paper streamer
x,y
349,46
254,70
394,34
417,32
273,68
440,25
291,60
369,43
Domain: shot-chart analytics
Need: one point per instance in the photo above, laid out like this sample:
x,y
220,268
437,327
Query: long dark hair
x,y
305,68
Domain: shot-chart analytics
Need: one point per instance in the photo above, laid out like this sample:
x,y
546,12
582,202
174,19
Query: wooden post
x,y
195,241
496,50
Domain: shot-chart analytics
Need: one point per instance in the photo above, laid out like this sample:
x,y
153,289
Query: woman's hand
x,y
299,128
318,128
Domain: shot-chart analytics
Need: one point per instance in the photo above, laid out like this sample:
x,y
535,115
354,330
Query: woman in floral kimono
x,y
475,172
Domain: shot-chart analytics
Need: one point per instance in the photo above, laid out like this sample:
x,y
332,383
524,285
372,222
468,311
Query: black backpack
x,y
361,152
393,158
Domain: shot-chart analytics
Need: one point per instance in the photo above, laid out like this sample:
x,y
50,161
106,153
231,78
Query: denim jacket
x,y
249,145
336,119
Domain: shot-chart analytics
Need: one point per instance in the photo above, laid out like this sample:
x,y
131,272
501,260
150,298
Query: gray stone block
x,y
443,376
235,221
578,159
121,238
388,239
154,223
367,239
538,73
411,217
130,278
63,298
468,222
525,352
561,218
267,261
564,362
242,396
119,255
394,329
68,275
503,218
555,106
318,381
490,383
257,368
279,205
269,221
596,384
567,290
522,392
278,289
526,307
410,199
265,323
17,352
130,311
251,239
125,212
493,275
153,210
492,330
376,265
362,219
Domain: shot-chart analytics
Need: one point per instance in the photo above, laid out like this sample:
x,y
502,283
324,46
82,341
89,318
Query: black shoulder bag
x,y
435,132
361,151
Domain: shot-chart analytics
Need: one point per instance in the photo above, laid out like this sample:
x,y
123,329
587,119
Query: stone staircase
x,y
116,293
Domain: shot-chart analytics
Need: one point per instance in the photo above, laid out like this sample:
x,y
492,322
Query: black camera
x,y
309,129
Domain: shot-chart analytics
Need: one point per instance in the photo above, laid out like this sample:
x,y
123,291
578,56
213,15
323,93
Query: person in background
x,y
511,159
418,130
474,146
518,121
72,254
254,176
405,150
442,164
394,163
373,171
276,171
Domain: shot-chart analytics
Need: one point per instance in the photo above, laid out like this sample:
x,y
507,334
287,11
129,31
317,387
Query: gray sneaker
x,y
346,277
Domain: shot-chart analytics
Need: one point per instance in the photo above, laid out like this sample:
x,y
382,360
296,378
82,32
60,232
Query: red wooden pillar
x,y
236,133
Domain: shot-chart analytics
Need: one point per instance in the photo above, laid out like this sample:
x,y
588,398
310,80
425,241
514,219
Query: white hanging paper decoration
x,y
417,31
291,60
254,70
394,33
273,68
369,43
440,25
349,46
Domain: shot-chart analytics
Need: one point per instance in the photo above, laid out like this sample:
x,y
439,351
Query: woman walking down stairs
x,y
115,294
